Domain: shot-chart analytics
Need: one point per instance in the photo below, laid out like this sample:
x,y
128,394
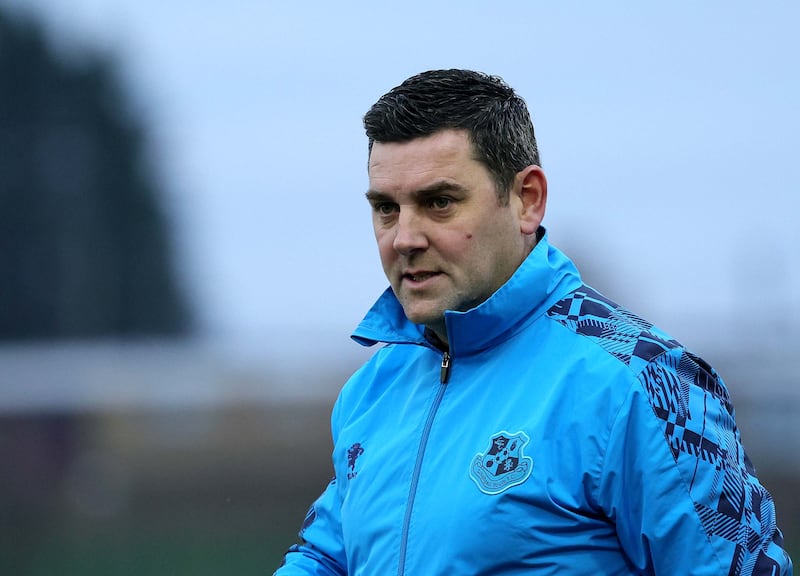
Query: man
x,y
515,421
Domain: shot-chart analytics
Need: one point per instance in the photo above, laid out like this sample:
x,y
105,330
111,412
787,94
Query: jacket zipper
x,y
444,376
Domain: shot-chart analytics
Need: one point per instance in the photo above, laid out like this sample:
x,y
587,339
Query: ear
x,y
530,187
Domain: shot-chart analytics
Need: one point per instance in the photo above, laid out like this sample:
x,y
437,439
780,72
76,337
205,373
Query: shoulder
x,y
629,338
669,373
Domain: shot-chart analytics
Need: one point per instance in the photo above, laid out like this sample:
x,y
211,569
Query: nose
x,y
410,235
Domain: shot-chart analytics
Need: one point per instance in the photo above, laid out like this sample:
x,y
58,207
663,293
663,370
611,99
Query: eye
x,y
440,202
385,208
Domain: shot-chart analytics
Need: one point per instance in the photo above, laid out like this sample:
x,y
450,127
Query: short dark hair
x,y
496,119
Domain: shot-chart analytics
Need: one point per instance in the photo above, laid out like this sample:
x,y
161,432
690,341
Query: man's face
x,y
445,241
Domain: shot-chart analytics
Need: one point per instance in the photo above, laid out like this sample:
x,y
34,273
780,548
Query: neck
x,y
436,339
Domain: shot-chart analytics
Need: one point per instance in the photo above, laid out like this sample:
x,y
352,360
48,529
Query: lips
x,y
419,276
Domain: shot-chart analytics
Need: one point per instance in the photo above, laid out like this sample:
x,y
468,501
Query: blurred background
x,y
185,246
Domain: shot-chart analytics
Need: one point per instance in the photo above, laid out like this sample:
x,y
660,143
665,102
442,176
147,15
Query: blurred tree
x,y
84,250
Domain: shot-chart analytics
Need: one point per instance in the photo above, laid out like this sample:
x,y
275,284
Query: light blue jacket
x,y
560,434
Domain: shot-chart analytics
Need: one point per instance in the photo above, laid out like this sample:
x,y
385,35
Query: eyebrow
x,y
429,191
375,196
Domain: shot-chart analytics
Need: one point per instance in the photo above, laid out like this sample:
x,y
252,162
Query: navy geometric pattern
x,y
702,436
625,335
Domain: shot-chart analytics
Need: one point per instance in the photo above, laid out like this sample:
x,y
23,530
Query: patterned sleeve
x,y
678,484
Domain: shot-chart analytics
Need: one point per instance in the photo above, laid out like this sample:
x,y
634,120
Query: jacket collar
x,y
542,279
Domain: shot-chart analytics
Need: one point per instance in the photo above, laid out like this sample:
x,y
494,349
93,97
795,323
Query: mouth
x,y
419,276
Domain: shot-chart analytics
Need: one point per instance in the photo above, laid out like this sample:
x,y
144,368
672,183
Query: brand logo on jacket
x,y
352,455
503,465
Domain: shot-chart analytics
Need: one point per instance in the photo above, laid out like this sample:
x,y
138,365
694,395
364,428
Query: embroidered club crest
x,y
502,466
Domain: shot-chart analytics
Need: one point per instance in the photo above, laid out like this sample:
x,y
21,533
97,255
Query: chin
x,y
419,319
426,317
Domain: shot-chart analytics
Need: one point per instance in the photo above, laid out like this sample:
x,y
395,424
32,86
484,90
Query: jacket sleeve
x,y
677,483
321,548
321,551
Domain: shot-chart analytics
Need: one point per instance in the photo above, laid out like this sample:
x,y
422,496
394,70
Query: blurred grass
x,y
140,549
155,543
183,494
199,552
154,495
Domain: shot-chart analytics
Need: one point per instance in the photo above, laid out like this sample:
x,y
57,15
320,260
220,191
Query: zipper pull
x,y
445,373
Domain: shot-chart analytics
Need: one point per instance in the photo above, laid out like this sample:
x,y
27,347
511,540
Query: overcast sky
x,y
668,132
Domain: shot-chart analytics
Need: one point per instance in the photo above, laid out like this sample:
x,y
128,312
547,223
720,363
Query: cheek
x,y
385,247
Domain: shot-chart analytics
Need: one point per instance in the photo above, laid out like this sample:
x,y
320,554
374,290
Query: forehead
x,y
446,154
